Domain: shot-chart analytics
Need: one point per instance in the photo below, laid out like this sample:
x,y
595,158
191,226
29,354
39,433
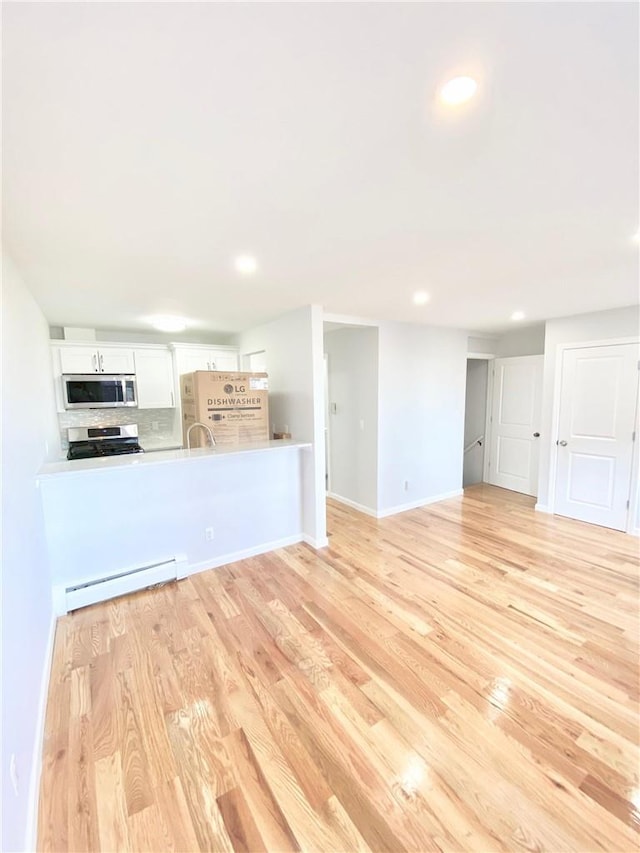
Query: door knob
x,y
562,443
536,435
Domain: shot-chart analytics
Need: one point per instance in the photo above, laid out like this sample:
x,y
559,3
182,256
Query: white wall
x,y
422,377
160,507
294,358
601,325
527,340
522,341
29,437
353,416
475,412
482,345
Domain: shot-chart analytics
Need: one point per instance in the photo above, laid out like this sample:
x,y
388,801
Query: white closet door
x,y
595,436
515,423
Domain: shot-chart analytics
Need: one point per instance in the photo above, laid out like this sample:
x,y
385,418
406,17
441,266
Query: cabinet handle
x,y
213,365
94,359
101,357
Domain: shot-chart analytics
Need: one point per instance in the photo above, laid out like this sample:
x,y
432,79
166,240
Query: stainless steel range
x,y
90,442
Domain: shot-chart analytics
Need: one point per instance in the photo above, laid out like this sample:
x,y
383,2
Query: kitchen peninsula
x,y
122,523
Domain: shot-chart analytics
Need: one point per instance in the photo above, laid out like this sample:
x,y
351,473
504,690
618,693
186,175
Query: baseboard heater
x,y
100,589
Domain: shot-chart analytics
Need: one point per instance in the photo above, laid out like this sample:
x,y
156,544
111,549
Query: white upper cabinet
x,y
154,378
78,359
93,359
190,358
116,360
224,359
157,368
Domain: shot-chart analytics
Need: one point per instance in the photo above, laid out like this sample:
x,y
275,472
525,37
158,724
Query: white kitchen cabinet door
x,y
92,359
116,360
595,435
515,423
154,378
189,359
192,359
224,360
79,359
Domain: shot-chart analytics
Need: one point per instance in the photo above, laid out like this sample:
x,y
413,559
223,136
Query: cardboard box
x,y
235,407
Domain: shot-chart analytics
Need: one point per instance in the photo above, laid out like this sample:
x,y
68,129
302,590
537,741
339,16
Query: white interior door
x,y
595,435
515,423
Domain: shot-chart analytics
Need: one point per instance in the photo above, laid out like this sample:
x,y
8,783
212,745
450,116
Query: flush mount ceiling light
x,y
517,315
166,323
245,264
420,297
458,91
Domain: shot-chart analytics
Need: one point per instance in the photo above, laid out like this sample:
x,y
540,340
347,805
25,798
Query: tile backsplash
x,y
155,426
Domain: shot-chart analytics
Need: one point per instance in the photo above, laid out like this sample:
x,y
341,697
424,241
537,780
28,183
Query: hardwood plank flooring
x,y
458,677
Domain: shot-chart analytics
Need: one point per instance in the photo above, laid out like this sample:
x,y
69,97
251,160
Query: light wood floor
x,y
459,677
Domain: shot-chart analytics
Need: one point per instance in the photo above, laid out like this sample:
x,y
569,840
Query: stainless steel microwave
x,y
99,391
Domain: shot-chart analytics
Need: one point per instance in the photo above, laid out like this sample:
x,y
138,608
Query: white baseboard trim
x,y
225,559
174,569
315,543
31,835
394,510
384,513
347,502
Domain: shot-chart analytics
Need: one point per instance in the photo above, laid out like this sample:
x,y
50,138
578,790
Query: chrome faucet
x,y
204,426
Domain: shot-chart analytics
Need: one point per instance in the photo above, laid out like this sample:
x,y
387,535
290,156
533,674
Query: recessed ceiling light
x,y
517,315
458,90
420,297
166,323
245,264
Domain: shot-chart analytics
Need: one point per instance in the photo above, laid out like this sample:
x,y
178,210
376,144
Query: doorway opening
x,y
475,419
351,414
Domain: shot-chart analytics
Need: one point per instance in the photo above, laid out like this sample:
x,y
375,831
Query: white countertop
x,y
162,457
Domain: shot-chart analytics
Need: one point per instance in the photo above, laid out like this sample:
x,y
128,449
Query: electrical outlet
x,y
13,774
209,533
406,485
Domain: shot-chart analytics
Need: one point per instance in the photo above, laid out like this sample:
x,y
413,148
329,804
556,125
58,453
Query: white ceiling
x,y
145,145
